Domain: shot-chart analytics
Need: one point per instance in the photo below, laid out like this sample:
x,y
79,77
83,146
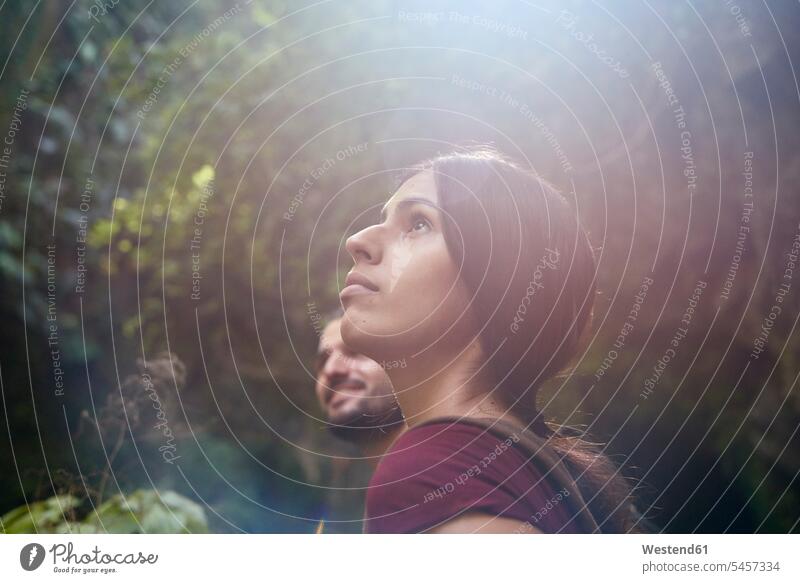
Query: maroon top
x,y
436,472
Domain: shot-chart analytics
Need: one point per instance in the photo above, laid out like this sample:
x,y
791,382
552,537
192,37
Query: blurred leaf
x,y
149,511
43,516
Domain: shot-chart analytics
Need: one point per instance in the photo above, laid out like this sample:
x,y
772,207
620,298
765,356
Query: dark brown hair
x,y
530,269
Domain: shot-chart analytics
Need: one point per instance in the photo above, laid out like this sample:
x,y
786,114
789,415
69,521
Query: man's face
x,y
353,390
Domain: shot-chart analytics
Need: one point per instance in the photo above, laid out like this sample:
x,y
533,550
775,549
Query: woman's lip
x,y
354,278
355,289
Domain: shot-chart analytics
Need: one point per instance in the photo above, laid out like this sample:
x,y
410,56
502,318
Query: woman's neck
x,y
442,385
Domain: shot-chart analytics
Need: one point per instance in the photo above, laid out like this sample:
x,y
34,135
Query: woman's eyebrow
x,y
411,200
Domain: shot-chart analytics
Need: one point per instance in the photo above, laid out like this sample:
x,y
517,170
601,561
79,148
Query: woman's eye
x,y
419,224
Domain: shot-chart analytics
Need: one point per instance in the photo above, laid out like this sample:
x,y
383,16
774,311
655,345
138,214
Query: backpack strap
x,y
539,452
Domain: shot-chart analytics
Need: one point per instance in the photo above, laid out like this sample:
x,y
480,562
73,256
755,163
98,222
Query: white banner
x,y
389,558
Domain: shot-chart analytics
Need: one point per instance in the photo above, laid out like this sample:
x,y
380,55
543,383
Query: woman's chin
x,y
355,335
376,338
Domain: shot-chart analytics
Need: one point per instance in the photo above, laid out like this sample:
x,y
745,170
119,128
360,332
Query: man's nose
x,y
336,366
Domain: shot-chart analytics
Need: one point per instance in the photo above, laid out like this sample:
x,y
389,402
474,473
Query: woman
x,y
480,278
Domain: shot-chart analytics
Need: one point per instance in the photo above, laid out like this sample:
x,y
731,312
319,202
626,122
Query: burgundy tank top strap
x,y
538,424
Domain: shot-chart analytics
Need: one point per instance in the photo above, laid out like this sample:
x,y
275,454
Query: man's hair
x,y
332,315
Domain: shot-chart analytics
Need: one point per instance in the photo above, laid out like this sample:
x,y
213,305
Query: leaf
x,y
149,511
203,176
43,516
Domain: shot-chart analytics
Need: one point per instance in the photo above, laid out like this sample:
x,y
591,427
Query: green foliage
x,y
143,511
43,516
149,511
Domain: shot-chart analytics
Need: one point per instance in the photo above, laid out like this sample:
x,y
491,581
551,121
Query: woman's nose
x,y
365,245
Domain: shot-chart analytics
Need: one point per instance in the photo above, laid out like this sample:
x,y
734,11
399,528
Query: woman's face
x,y
404,293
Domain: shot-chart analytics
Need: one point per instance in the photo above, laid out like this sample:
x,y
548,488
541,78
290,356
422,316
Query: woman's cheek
x,y
399,259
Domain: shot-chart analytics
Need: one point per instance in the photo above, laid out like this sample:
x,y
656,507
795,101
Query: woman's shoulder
x,y
441,442
434,471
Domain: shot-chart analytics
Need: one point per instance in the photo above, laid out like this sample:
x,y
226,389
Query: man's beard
x,y
361,428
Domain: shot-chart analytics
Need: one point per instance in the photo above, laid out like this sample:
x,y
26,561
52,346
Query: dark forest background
x,y
130,121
